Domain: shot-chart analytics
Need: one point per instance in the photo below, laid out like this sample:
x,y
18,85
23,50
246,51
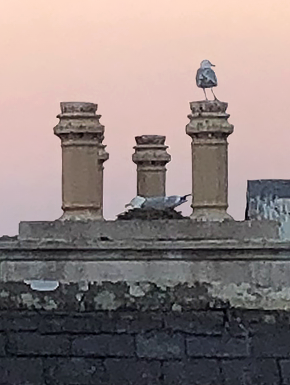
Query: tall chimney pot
x,y
83,155
209,129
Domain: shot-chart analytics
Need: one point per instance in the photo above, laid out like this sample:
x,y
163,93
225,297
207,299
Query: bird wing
x,y
161,203
199,77
172,201
210,77
153,203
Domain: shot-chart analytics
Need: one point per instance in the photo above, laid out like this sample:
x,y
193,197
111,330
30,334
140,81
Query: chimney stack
x,y
151,158
83,155
209,129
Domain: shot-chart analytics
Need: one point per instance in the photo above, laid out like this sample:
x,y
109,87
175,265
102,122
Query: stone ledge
x,y
154,230
143,250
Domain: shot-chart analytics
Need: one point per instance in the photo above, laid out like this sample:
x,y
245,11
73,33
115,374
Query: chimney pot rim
x,y
150,139
78,107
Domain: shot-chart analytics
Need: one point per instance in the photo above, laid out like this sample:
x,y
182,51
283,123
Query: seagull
x,y
206,77
158,203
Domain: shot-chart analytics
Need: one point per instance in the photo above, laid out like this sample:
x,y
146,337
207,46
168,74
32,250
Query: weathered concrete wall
x,y
240,263
252,284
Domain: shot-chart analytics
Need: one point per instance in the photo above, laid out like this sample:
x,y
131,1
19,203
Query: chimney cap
x,y
78,107
150,139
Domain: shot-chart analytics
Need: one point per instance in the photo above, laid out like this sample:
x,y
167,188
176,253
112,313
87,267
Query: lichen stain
x,y
49,304
251,297
106,300
4,294
136,291
176,307
29,301
32,302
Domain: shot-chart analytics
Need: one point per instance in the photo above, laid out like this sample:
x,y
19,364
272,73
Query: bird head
x,y
206,64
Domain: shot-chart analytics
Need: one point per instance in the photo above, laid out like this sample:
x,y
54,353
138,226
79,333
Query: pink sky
x,y
137,59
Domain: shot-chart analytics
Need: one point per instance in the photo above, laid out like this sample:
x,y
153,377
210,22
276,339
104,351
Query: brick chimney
x,y
209,129
151,158
83,155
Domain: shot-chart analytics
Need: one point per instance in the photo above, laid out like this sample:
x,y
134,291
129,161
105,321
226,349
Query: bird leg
x,y
215,98
205,94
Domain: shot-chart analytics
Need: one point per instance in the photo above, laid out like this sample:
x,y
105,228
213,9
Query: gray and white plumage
x,y
158,203
206,77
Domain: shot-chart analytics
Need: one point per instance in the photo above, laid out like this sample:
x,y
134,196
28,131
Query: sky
x,y
137,60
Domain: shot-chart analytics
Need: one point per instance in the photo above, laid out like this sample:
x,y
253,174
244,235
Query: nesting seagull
x,y
206,77
157,203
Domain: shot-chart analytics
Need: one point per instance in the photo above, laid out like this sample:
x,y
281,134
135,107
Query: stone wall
x,y
60,338
145,302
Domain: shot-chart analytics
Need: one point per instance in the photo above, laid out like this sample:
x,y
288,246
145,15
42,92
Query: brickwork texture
x,y
202,347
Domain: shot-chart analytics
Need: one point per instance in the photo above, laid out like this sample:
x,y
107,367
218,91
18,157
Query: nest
x,y
150,214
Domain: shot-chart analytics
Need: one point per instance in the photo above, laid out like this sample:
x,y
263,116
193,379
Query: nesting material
x,y
150,214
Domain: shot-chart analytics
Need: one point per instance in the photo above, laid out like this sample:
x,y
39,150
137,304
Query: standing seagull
x,y
206,77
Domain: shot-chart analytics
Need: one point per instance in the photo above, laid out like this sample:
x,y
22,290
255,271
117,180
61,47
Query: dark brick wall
x,y
223,347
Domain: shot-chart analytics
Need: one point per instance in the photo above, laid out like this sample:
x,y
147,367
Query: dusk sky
x,y
137,60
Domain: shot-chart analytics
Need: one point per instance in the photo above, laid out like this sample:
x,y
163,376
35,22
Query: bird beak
x,y
127,205
184,197
213,65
